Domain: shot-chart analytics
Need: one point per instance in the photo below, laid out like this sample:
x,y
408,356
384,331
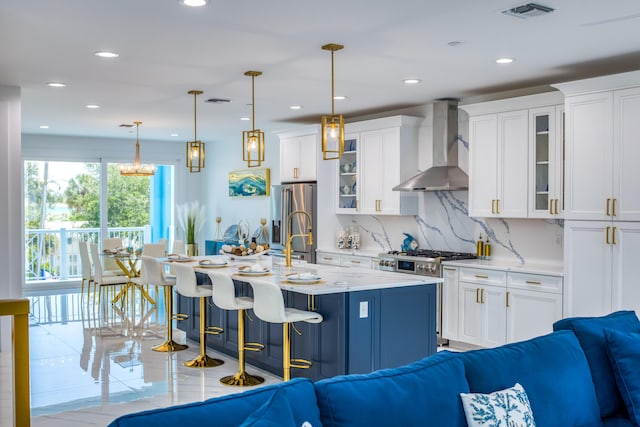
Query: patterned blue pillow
x,y
509,407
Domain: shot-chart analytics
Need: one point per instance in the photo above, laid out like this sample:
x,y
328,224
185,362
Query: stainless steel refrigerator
x,y
286,199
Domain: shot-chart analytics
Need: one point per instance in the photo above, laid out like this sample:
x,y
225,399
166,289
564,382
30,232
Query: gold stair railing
x,y
19,309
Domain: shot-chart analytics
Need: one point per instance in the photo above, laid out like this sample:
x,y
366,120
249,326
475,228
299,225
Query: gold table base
x,y
203,361
169,346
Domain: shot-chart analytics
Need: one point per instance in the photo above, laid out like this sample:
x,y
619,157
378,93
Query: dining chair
x,y
187,286
155,276
100,279
178,247
87,273
109,264
224,296
268,305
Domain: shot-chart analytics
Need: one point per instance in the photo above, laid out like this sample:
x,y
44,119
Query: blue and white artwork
x,y
249,183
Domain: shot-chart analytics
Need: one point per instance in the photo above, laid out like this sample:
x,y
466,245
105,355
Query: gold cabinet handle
x,y
557,210
328,258
477,295
507,299
614,207
481,276
482,296
493,206
550,206
355,262
295,173
608,207
357,205
497,206
613,235
532,282
449,269
378,206
606,239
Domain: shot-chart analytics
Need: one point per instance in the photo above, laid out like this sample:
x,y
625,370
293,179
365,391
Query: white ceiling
x,y
167,49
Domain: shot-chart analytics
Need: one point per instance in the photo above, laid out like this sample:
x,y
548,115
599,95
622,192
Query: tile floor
x,y
86,373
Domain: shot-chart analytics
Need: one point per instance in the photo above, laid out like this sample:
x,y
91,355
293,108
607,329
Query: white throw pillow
x,y
508,408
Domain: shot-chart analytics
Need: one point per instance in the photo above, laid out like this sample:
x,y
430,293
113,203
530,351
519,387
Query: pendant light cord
x,y
332,85
253,103
195,117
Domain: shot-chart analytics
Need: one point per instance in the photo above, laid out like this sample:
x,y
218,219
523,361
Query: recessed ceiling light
x,y
106,54
56,84
504,60
193,3
339,97
92,106
44,126
245,118
296,107
174,134
411,81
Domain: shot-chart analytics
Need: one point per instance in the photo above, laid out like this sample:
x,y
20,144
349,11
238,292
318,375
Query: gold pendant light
x,y
195,148
137,168
333,125
253,140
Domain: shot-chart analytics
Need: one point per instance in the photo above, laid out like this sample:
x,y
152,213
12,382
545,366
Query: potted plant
x,y
191,220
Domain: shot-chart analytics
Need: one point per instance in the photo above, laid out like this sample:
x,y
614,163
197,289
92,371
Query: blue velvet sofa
x,y
570,377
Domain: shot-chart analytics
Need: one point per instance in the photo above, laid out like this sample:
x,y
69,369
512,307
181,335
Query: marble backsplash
x,y
443,224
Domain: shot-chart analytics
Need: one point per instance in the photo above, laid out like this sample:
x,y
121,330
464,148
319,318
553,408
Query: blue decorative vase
x,y
409,243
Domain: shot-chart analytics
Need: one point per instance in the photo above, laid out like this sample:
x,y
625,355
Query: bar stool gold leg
x,y
203,360
241,378
169,344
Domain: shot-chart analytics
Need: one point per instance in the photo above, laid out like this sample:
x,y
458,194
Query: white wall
x,y
11,259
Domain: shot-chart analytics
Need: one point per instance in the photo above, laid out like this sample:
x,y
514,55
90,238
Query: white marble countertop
x,y
333,279
517,267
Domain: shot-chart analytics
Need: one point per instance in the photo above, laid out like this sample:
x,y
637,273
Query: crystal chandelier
x,y
137,168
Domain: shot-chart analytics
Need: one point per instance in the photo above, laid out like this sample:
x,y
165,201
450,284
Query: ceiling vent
x,y
528,10
125,125
218,100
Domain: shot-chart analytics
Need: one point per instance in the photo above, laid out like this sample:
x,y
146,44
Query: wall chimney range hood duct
x,y
445,173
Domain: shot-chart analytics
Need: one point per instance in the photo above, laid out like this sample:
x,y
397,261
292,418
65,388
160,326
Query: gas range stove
x,y
425,262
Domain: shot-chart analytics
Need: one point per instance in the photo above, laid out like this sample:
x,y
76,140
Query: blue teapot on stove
x,y
409,243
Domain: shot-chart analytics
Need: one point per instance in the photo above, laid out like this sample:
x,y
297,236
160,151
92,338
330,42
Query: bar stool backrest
x,y
153,271
186,281
224,293
268,301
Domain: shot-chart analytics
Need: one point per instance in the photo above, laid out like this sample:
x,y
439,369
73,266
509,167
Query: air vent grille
x,y
218,100
528,10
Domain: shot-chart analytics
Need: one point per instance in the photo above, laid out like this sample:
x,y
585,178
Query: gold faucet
x,y
287,249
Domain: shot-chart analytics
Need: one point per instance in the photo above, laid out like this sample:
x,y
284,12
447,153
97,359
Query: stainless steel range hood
x,y
445,173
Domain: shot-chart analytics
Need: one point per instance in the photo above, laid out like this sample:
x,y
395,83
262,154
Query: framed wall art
x,y
249,183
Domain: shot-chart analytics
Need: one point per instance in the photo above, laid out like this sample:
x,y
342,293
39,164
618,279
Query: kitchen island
x,y
372,320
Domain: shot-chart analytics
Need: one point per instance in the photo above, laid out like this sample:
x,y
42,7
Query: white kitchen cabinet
x,y
546,159
602,151
490,307
379,155
298,156
498,150
346,260
450,303
328,258
601,267
531,313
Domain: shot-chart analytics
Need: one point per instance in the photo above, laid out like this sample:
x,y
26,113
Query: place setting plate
x,y
302,279
247,271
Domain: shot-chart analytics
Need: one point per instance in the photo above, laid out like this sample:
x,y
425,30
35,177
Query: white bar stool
x,y
154,276
224,296
187,286
268,305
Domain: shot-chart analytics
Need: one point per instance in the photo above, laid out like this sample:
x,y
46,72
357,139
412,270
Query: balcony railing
x,y
54,254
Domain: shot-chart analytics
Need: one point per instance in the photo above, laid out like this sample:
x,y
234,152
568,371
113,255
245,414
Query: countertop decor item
x,y
218,228
409,243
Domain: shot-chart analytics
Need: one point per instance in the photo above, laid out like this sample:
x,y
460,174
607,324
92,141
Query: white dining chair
x,y
224,297
109,264
155,276
87,268
187,286
100,279
268,305
178,248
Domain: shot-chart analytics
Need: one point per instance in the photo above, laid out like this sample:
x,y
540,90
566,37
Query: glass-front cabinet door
x,y
348,177
546,156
